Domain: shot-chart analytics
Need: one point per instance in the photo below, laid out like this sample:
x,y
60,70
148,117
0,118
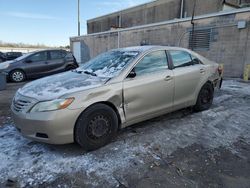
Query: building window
x,y
200,39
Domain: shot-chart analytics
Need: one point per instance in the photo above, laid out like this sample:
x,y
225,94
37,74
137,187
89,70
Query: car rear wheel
x,y
17,76
205,98
96,127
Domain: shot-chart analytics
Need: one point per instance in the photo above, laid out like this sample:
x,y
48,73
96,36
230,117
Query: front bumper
x,y
6,73
54,127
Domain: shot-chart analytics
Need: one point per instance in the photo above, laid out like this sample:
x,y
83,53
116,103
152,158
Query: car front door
x,y
37,64
150,92
188,75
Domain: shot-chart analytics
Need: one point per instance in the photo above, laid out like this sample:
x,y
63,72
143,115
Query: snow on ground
x,y
34,163
236,86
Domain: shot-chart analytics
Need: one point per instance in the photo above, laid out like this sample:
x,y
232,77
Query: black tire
x,y
96,127
205,98
17,76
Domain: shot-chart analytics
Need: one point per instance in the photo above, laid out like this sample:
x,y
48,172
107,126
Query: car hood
x,y
53,87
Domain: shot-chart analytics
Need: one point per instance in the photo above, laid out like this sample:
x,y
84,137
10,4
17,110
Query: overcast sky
x,y
51,22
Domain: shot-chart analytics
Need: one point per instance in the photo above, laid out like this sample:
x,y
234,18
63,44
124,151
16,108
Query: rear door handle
x,y
168,78
202,71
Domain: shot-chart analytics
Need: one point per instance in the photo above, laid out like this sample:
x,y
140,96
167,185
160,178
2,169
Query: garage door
x,y
77,51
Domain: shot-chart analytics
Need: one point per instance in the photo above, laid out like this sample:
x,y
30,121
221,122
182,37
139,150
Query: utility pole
x,y
79,23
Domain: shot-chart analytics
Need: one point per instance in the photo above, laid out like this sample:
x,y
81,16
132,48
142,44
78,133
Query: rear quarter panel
x,y
211,75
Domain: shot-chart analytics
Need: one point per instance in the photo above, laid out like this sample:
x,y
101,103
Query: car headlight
x,y
52,105
4,65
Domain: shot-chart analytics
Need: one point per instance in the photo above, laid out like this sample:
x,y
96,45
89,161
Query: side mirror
x,y
132,74
195,61
28,61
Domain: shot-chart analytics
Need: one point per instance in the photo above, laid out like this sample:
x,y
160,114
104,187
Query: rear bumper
x,y
218,83
55,127
221,80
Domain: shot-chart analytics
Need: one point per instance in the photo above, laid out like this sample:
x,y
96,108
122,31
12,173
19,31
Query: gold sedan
x,y
114,90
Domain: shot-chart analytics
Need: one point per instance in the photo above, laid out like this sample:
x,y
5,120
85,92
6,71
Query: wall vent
x,y
200,39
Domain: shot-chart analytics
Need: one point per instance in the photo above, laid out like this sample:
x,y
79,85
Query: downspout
x,y
118,39
192,22
182,8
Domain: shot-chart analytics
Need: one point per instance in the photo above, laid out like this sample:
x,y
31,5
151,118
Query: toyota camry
x,y
114,90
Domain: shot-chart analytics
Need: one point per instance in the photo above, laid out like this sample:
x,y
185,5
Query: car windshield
x,y
23,56
108,64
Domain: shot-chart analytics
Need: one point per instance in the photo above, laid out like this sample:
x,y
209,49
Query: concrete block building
x,y
221,30
158,11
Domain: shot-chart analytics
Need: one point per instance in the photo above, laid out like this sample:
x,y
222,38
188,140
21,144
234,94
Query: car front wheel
x,y
17,76
205,98
96,127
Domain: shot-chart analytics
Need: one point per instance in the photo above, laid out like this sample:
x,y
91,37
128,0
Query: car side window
x,y
41,56
180,58
153,62
56,55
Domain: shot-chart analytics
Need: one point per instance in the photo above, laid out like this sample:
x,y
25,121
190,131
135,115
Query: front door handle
x,y
168,78
202,71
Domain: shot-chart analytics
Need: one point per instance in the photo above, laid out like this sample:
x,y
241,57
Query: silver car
x,y
112,91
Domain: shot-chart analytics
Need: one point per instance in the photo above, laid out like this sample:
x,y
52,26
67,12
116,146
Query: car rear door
x,y
188,75
56,61
150,92
37,64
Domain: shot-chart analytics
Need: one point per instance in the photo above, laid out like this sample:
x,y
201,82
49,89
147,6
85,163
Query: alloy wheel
x,y
17,76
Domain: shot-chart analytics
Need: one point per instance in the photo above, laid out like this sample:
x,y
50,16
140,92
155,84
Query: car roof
x,y
52,49
149,47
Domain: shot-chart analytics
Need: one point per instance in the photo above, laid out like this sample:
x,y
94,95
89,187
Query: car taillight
x,y
220,70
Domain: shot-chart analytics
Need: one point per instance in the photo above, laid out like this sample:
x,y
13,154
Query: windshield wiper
x,y
91,73
86,72
77,71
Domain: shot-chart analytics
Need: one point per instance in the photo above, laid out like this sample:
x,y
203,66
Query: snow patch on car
x,y
110,72
53,87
